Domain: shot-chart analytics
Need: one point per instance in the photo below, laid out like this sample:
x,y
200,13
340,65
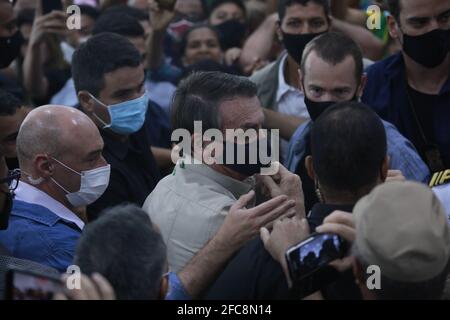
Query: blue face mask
x,y
126,117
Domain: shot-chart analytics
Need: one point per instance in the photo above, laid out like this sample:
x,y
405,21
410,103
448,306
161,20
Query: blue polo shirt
x,y
386,93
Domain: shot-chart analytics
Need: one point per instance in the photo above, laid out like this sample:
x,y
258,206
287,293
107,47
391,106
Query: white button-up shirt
x,y
290,100
27,193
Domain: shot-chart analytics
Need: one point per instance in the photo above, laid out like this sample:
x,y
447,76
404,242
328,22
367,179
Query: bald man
x,y
63,170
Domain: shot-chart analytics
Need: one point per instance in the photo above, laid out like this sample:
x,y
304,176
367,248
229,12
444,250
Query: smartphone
x,y
27,285
308,262
168,5
51,5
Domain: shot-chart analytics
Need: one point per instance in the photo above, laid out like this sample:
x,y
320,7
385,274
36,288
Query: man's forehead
x,y
318,70
311,10
6,12
241,111
423,8
124,78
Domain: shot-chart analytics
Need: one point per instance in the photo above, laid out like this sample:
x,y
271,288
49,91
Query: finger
x,y
283,218
340,217
38,11
344,231
276,213
265,235
89,288
104,287
269,183
268,206
394,173
243,200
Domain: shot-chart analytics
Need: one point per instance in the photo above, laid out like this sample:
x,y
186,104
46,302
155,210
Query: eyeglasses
x,y
12,180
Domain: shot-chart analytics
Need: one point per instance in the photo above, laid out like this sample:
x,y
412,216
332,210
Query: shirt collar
x,y
283,87
30,194
236,187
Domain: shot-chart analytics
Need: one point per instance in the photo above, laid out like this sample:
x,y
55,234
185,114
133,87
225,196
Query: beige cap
x,y
402,227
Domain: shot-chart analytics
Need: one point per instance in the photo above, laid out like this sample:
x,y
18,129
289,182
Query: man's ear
x,y
309,167
385,168
394,30
164,288
300,80
362,85
86,102
42,166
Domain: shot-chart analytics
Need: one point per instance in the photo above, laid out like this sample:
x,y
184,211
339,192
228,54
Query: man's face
x,y
242,113
84,152
202,43
8,24
225,12
418,17
121,85
9,127
301,19
326,82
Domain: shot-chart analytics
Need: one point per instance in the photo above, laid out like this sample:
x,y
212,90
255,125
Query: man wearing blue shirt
x,y
332,71
411,89
63,170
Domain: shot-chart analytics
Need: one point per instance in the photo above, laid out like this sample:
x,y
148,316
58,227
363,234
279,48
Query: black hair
x,y
131,11
348,146
217,3
394,8
8,103
120,23
284,4
124,247
199,96
102,53
89,11
333,48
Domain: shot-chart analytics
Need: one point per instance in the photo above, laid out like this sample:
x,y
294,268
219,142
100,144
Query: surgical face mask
x,y
10,48
93,184
429,49
315,109
247,158
295,44
126,117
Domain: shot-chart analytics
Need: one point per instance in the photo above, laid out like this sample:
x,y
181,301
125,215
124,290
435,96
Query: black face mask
x,y
10,48
250,166
296,43
231,33
429,49
315,109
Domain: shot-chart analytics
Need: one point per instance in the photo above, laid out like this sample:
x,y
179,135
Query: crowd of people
x,y
93,174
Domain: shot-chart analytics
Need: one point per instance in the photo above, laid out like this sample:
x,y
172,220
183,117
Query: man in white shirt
x,y
63,170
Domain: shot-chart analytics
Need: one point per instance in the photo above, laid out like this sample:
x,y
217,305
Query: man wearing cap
x,y
401,227
401,242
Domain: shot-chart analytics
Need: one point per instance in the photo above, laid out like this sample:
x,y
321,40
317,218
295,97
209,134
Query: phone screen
x,y
313,254
28,286
50,5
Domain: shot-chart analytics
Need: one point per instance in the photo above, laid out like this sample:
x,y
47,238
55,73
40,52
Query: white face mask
x,y
93,184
